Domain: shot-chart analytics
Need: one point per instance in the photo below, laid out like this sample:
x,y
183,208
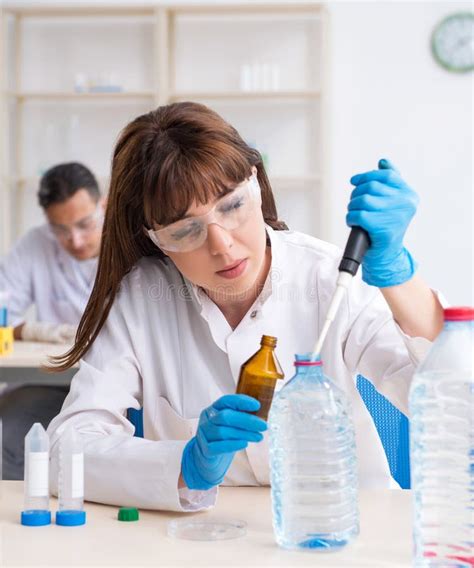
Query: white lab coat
x,y
168,348
39,271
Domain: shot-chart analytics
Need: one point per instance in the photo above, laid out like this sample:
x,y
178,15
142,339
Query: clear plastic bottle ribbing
x,y
313,462
442,447
36,476
71,472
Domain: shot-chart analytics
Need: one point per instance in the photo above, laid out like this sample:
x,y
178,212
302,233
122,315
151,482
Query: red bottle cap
x,y
462,313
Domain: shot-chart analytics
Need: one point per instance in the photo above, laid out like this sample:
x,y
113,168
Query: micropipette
x,y
356,246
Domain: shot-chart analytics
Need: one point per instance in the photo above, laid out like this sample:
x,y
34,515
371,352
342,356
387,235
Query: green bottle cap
x,y
128,514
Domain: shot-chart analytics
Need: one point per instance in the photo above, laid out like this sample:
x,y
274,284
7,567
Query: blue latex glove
x,y
224,428
383,204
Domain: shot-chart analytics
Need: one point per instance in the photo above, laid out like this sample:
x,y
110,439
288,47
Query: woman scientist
x,y
194,268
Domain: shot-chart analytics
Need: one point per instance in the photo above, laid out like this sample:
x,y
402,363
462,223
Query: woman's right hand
x,y
224,428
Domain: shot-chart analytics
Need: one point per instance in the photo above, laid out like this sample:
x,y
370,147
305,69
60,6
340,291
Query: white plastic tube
x,y
342,285
36,483
71,472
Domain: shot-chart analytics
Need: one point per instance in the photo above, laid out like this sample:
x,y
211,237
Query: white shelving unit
x,y
262,67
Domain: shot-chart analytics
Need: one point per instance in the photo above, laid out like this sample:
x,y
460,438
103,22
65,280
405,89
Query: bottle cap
x,y
36,518
128,514
461,313
70,518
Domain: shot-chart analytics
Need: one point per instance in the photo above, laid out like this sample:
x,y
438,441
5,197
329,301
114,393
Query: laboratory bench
x,y
23,366
384,540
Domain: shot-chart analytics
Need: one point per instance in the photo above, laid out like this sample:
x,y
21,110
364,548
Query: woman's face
x,y
230,264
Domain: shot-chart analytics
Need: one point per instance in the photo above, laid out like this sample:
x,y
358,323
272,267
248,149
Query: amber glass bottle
x,y
259,374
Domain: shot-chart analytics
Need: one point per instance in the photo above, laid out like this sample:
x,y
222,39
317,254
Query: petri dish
x,y
206,529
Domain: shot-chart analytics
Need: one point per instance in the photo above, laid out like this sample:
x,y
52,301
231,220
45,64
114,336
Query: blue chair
x,y
393,429
136,418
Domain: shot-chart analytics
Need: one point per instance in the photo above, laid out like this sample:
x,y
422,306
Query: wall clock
x,y
452,42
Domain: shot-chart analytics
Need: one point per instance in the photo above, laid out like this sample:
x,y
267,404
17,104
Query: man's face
x,y
77,224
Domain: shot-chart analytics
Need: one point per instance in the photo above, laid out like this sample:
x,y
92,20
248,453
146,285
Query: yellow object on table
x,y
6,340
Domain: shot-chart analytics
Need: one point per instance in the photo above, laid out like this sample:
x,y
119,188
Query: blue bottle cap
x,y
36,518
70,518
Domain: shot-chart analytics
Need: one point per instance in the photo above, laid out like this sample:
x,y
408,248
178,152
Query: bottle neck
x,y
268,341
308,370
313,372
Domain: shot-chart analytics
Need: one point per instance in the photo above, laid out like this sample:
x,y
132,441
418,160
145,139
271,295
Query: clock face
x,y
452,42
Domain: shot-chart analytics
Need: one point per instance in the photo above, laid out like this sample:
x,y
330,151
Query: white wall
x,y
390,99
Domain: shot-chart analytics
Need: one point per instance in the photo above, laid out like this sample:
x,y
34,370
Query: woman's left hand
x,y
383,204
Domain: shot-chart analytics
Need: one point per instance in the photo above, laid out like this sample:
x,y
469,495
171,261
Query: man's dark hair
x,y
61,182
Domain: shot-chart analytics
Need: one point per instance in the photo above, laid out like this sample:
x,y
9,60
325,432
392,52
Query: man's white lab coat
x,y
39,271
167,347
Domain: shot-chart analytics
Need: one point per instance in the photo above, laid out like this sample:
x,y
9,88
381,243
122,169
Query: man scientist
x,y
52,268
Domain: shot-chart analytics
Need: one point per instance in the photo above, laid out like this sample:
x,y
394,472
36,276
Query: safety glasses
x,y
82,227
229,212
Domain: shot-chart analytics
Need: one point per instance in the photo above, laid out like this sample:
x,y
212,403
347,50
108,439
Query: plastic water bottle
x,y
313,462
442,447
36,478
71,480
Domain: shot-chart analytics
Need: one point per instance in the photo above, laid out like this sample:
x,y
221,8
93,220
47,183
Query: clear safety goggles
x,y
81,228
229,212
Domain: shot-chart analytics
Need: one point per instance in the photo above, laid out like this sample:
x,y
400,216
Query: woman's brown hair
x,y
163,161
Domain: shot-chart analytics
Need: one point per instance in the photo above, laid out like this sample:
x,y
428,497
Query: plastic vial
x,y
442,446
245,78
313,462
4,297
36,485
275,77
256,76
71,480
266,76
259,375
81,83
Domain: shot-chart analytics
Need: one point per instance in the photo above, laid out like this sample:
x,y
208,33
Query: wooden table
x,y
384,541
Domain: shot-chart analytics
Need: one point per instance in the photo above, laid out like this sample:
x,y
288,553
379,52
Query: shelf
x,y
277,181
247,11
229,95
85,96
36,9
246,95
161,52
294,180
34,180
